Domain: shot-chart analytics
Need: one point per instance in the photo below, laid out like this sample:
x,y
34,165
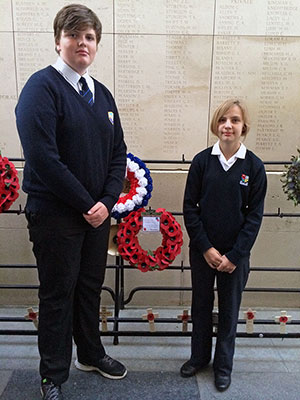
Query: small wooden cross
x,y
150,316
33,316
249,317
184,317
283,319
104,314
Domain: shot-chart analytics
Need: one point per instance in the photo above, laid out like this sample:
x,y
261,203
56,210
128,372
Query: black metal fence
x,y
117,293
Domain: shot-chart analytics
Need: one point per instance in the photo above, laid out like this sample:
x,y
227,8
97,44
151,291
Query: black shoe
x,y
50,391
107,366
189,369
222,382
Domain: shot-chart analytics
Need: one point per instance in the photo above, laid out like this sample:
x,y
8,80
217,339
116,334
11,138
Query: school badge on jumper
x,y
111,117
244,180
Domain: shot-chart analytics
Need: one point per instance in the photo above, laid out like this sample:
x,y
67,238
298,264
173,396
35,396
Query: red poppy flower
x,y
143,267
283,319
185,317
250,315
152,260
150,317
134,257
168,254
32,315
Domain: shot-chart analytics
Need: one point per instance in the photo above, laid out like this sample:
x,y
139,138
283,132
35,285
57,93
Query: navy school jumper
x,y
75,156
224,210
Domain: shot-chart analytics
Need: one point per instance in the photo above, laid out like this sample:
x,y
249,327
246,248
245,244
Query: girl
x,y
223,210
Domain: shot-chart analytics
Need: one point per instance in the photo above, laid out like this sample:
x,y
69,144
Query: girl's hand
x,y
212,257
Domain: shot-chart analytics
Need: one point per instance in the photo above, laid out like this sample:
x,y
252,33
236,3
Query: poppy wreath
x,y
9,183
137,188
291,179
159,259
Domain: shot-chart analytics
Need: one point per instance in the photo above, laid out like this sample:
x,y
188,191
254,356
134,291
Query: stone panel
x,y
169,64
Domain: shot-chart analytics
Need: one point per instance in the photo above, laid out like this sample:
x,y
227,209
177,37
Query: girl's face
x,y
230,126
78,49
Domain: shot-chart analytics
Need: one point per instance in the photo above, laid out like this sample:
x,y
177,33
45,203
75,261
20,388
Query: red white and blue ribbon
x,y
140,188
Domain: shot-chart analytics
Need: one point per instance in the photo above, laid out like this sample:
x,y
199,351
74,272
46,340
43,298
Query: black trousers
x,y
229,288
71,258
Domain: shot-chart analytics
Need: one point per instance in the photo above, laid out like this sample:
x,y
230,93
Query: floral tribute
x,y
250,315
283,319
291,179
33,316
137,188
9,184
159,259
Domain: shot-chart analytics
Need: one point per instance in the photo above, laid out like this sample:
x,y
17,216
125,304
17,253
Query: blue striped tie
x,y
85,92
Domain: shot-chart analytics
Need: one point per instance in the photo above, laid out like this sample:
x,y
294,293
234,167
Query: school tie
x,y
85,92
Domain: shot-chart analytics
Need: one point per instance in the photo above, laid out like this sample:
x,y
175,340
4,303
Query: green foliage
x,y
291,179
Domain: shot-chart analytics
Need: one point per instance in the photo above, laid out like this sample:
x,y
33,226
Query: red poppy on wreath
x,y
167,253
174,239
142,266
159,259
9,184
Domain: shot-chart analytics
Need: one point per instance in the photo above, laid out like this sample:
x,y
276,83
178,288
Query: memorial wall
x,y
169,63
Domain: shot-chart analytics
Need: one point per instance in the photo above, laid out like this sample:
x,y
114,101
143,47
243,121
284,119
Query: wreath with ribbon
x,y
9,184
291,179
137,188
159,259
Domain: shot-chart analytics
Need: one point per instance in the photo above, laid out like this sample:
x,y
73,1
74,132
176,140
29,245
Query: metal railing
x,y
118,292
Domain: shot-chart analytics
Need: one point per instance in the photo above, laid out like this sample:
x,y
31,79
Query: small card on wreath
x,y
151,224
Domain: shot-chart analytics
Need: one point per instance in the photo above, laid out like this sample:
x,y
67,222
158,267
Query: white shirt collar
x,y
241,153
72,76
226,164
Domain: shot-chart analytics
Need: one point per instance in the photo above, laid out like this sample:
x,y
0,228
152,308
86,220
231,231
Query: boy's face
x,y
78,48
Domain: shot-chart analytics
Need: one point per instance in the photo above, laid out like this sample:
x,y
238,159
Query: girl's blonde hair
x,y
222,110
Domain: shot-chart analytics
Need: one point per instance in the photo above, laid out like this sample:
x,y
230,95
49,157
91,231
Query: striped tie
x,y
85,92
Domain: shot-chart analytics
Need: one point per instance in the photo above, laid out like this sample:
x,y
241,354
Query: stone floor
x,y
264,368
